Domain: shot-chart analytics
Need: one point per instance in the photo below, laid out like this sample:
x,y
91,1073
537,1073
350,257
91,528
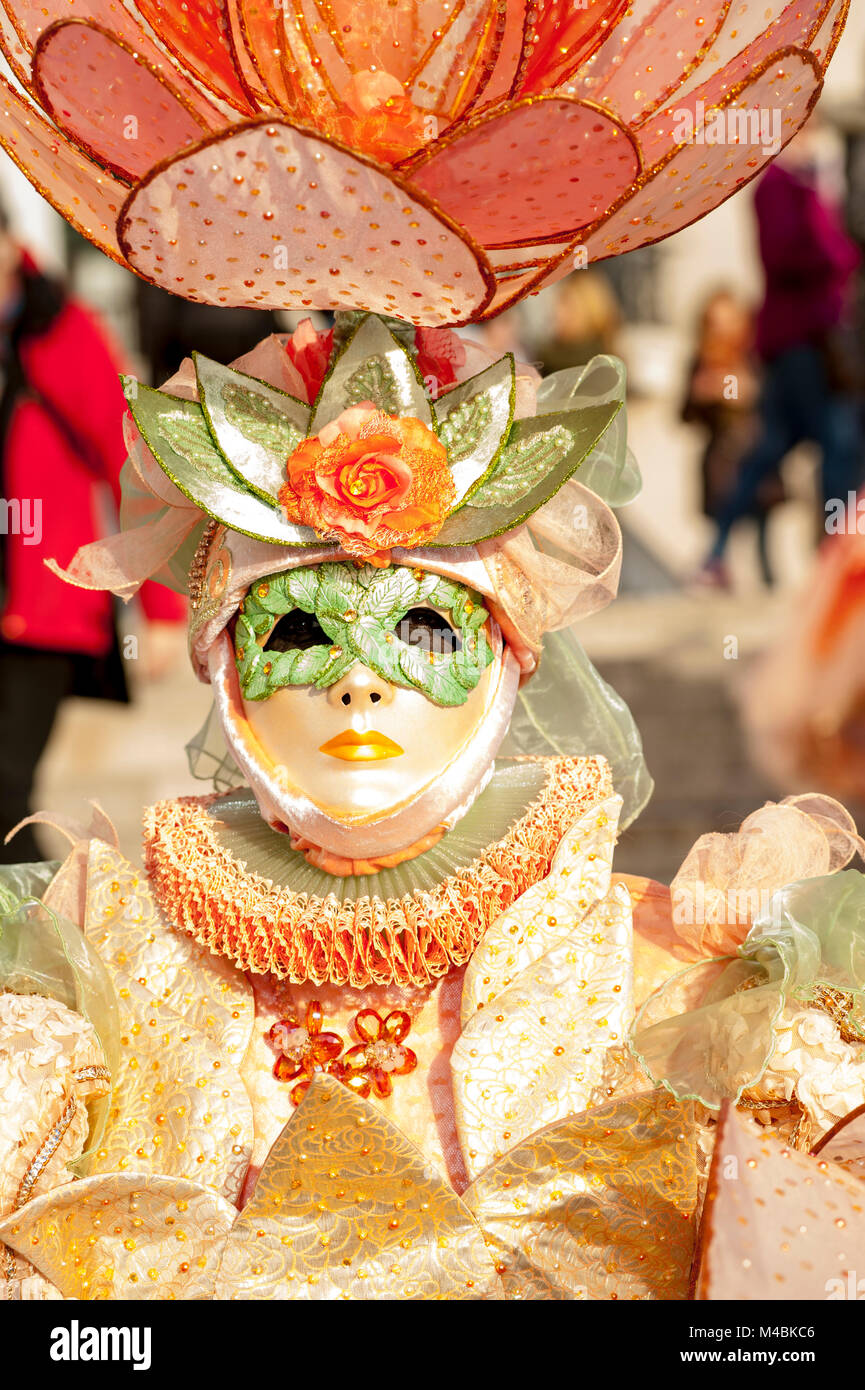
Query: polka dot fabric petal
x,y
689,180
778,1225
32,19
61,172
465,152
109,102
572,161
271,217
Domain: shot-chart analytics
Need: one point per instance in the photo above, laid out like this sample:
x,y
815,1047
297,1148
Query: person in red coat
x,y
61,451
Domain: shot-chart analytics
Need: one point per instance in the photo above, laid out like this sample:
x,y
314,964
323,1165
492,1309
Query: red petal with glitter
x,y
562,37
109,102
197,32
544,168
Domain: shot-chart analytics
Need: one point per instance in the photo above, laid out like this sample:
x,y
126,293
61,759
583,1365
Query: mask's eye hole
x,y
296,631
423,627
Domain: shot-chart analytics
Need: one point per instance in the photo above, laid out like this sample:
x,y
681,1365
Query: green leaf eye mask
x,y
365,614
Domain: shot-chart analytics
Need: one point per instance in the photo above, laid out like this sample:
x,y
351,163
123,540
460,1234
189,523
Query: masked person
x,y
364,1012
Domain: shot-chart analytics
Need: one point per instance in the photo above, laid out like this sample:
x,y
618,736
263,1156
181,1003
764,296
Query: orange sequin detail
x,y
411,940
379,1056
303,1049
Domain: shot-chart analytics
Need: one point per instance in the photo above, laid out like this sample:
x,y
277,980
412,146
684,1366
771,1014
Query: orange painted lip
x,y
361,748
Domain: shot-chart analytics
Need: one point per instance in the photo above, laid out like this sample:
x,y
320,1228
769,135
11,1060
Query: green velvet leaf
x,y
302,586
359,611
524,461
177,434
393,594
271,593
367,640
443,686
464,668
307,666
476,521
414,665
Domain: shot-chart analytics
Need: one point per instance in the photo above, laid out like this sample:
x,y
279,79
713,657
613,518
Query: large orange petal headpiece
x,y
434,161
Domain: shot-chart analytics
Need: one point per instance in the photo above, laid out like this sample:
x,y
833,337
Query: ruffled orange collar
x,y
208,893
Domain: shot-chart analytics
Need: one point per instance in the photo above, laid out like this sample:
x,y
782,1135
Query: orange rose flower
x,y
370,482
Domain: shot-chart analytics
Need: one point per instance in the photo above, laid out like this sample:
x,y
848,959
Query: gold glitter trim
x,y
321,72
839,1004
279,103
488,64
92,1074
258,101
198,568
46,1151
837,30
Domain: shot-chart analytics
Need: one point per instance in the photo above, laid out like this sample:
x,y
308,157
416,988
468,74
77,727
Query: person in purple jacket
x,y
808,391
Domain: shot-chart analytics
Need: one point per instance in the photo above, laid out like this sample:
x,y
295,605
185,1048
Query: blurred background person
x,y
803,703
61,451
585,322
810,386
720,397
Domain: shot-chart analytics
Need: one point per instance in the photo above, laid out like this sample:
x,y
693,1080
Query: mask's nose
x,y
360,691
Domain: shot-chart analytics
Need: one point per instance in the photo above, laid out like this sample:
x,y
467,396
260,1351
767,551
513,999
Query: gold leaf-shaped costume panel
x,y
206,991
136,1236
599,1206
347,1207
178,1106
540,1051
547,912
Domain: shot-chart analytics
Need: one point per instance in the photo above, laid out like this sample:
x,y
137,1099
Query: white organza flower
x,y
812,1062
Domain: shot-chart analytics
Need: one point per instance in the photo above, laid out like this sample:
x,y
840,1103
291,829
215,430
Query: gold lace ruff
x,y
264,928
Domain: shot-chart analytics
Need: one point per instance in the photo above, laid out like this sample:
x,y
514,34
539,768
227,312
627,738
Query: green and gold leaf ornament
x,y
227,453
360,611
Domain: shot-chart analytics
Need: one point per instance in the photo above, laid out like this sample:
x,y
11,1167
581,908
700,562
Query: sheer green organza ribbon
x,y
810,939
44,953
